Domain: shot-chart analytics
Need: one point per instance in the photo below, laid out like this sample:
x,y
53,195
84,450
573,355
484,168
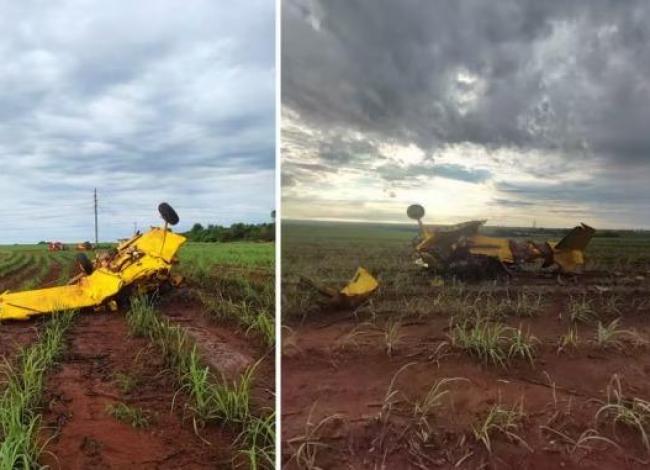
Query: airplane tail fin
x,y
576,239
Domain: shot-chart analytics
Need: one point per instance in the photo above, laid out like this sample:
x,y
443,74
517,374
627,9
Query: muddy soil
x,y
80,432
329,375
53,275
16,334
224,347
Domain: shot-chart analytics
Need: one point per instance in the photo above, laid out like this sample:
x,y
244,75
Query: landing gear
x,y
84,263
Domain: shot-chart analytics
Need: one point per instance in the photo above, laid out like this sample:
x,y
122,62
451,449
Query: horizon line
x,y
392,222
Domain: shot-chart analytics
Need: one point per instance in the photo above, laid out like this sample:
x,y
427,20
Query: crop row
x,y
22,392
16,263
235,297
213,399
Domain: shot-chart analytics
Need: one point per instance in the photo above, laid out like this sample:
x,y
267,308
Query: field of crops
x,y
535,372
181,380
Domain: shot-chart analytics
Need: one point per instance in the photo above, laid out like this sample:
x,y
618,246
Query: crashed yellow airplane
x,y
461,249
142,263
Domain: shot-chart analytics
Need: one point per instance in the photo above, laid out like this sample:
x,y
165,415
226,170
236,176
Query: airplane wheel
x,y
84,263
168,213
415,211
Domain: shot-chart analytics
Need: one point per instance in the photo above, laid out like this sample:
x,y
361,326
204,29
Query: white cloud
x,y
147,101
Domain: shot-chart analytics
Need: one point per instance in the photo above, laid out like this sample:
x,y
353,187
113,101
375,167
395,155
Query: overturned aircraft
x,y
461,250
140,264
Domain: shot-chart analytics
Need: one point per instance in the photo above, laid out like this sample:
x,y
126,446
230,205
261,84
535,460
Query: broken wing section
x,y
89,291
361,286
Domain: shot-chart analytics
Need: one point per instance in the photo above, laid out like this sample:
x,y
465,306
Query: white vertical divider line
x,y
278,238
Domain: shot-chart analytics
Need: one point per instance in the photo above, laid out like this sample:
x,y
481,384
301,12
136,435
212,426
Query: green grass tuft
x,y
19,417
135,417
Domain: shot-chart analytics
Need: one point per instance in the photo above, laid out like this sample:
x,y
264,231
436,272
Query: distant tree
x,y
236,232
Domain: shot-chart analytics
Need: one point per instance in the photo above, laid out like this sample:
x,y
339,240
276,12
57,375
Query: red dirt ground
x,y
224,347
52,277
328,377
15,334
84,434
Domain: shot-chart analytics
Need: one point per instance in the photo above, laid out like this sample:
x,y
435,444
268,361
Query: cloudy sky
x,y
516,111
149,101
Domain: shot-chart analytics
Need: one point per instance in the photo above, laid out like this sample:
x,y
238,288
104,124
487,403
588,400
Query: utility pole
x,y
96,231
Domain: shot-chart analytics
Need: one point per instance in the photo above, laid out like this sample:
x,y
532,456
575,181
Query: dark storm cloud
x,y
315,167
147,101
339,150
569,78
511,203
612,200
586,192
394,172
393,68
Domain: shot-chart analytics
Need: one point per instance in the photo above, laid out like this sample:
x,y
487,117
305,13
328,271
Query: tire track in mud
x,y
52,278
224,347
80,430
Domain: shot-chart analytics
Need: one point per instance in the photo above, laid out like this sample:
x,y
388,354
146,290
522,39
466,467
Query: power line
x,y
96,229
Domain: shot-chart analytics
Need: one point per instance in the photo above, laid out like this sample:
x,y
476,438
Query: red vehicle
x,y
55,246
85,246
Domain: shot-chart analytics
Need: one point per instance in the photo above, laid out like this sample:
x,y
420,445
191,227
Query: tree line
x,y
236,232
